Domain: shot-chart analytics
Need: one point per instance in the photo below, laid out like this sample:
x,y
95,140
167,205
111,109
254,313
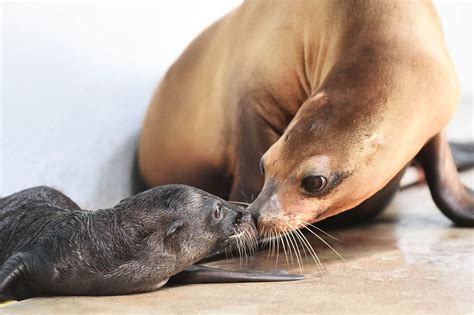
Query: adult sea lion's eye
x,y
314,183
217,212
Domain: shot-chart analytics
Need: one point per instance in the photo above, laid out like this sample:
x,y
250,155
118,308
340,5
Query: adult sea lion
x,y
334,98
50,246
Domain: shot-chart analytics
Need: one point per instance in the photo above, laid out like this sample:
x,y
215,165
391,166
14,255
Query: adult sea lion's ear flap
x,y
12,269
203,274
454,199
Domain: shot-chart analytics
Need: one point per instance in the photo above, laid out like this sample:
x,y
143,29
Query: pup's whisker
x,y
246,204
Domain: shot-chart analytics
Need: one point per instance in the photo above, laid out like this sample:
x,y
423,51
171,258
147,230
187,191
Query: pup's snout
x,y
242,217
238,217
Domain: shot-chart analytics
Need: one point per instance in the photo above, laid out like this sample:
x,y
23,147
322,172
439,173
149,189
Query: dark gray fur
x,y
50,246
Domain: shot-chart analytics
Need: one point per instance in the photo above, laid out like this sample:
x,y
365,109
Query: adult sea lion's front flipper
x,y
203,274
454,199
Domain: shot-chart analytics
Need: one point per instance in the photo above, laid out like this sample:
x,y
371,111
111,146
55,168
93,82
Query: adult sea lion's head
x,y
331,157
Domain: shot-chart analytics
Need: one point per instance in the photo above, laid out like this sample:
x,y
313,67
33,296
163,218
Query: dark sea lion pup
x,y
50,246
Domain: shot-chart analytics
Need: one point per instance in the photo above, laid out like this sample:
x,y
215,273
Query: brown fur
x,y
349,89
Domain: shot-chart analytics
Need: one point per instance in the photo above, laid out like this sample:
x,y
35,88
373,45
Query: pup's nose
x,y
242,217
264,201
238,217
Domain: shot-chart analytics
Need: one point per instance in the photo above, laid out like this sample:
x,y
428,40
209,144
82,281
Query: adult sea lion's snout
x,y
315,170
271,216
266,208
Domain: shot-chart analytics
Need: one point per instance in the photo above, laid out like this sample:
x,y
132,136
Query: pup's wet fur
x,y
50,246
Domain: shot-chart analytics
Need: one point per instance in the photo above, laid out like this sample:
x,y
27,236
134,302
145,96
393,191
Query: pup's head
x,y
187,223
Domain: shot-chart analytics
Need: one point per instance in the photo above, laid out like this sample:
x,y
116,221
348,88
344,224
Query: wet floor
x,y
410,260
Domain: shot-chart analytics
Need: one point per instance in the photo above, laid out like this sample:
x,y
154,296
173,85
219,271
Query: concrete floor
x,y
410,260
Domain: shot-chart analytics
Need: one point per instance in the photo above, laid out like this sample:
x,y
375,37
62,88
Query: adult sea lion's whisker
x,y
304,243
310,248
256,238
274,240
294,245
322,240
253,244
269,245
320,230
294,248
298,251
263,237
250,242
312,252
283,245
277,240
285,238
298,237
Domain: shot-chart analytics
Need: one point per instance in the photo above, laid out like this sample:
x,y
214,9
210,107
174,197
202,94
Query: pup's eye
x,y
217,213
314,183
261,167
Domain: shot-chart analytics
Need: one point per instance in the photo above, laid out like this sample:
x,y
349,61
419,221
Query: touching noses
x,y
266,204
241,214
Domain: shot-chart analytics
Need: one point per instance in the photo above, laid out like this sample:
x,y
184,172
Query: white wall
x,y
456,17
76,80
71,73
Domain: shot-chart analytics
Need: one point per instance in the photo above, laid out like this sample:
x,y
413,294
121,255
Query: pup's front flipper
x,y
203,274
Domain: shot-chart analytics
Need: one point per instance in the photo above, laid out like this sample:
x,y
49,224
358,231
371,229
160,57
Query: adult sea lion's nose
x,y
264,202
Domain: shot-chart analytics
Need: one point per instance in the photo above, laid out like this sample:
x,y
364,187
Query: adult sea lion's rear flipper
x,y
454,199
203,274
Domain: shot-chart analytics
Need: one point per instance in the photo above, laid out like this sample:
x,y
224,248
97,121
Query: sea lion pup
x,y
49,246
334,98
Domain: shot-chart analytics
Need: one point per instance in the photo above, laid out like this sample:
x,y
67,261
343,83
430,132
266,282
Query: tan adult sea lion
x,y
335,98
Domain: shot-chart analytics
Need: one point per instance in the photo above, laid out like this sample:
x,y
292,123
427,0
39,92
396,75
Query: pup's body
x,y
49,246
